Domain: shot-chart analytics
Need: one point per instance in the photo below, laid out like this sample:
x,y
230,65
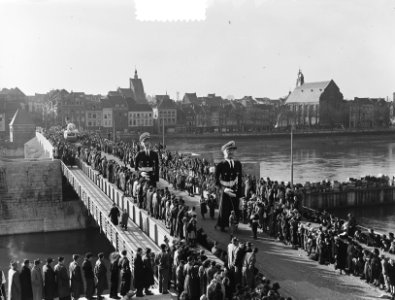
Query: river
x,y
315,159
52,244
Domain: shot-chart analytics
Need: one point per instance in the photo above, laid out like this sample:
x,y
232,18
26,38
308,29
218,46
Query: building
x,y
10,101
137,88
93,115
369,113
114,115
165,113
140,117
315,104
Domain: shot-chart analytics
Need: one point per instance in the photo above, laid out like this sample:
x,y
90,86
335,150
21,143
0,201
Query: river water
x,y
315,159
53,244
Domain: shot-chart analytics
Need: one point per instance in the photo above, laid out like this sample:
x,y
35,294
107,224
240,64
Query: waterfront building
x,y
93,115
315,104
140,116
115,114
165,113
369,113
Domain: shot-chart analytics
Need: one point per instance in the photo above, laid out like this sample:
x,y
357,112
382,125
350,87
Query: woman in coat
x,y
37,281
192,283
76,283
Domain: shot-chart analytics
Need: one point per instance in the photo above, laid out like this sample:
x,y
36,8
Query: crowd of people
x,y
268,206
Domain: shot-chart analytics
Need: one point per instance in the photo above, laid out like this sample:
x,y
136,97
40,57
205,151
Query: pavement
x,y
298,276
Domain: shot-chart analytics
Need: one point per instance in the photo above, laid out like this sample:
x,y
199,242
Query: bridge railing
x,y
95,209
45,144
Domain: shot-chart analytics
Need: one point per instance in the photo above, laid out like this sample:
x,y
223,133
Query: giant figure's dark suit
x,y
228,177
149,164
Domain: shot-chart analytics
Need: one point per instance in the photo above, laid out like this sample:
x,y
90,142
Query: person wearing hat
x,y
26,281
100,271
89,276
147,161
228,178
50,288
14,284
37,280
62,279
76,283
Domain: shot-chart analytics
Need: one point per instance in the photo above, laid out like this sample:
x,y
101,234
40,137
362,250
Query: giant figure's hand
x,y
229,192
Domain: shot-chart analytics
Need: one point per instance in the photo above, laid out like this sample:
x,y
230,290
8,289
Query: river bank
x,y
278,134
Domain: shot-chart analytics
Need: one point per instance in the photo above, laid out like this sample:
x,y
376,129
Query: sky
x,y
240,48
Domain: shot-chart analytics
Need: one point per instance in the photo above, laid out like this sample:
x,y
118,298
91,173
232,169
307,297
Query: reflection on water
x,y
54,244
333,158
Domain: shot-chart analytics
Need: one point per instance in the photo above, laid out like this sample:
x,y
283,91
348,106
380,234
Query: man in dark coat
x,y
162,260
76,283
114,279
101,276
114,214
228,178
50,287
89,276
62,279
147,161
138,271
126,273
26,281
148,272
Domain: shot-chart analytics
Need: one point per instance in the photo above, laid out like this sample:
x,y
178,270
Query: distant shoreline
x,y
315,133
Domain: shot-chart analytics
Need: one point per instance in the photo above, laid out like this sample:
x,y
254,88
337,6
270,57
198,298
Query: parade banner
x,y
2,121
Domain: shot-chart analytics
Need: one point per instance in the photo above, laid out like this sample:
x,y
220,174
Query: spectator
x,y
162,260
14,284
76,283
114,214
148,273
62,279
50,287
37,281
126,273
26,281
89,276
101,276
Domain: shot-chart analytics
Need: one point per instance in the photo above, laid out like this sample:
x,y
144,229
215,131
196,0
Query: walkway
x,y
99,205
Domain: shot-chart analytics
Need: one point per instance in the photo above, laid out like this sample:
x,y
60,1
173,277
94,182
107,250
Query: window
x,y
134,122
138,115
150,115
105,116
93,115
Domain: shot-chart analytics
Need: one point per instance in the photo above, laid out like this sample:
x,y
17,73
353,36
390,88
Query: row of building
x,y
127,110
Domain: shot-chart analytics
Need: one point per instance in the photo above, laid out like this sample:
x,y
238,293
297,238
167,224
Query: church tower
x,y
300,79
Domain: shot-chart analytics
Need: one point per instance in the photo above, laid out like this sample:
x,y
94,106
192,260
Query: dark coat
x,y
192,283
148,161
101,276
138,270
148,271
225,173
37,283
126,275
26,283
114,215
63,280
114,277
76,283
50,286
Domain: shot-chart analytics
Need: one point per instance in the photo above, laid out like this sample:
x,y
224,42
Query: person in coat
x,y
101,276
37,280
114,278
147,161
126,273
114,214
124,219
14,284
76,283
138,270
89,276
50,287
148,272
26,281
228,178
62,279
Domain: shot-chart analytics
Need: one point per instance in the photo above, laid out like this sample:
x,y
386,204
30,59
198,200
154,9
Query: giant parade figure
x,y
147,161
228,179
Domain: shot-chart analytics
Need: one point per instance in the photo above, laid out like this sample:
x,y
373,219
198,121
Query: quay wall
x,y
349,198
31,199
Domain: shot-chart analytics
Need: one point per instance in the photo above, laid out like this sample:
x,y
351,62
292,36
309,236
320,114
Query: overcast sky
x,y
242,48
